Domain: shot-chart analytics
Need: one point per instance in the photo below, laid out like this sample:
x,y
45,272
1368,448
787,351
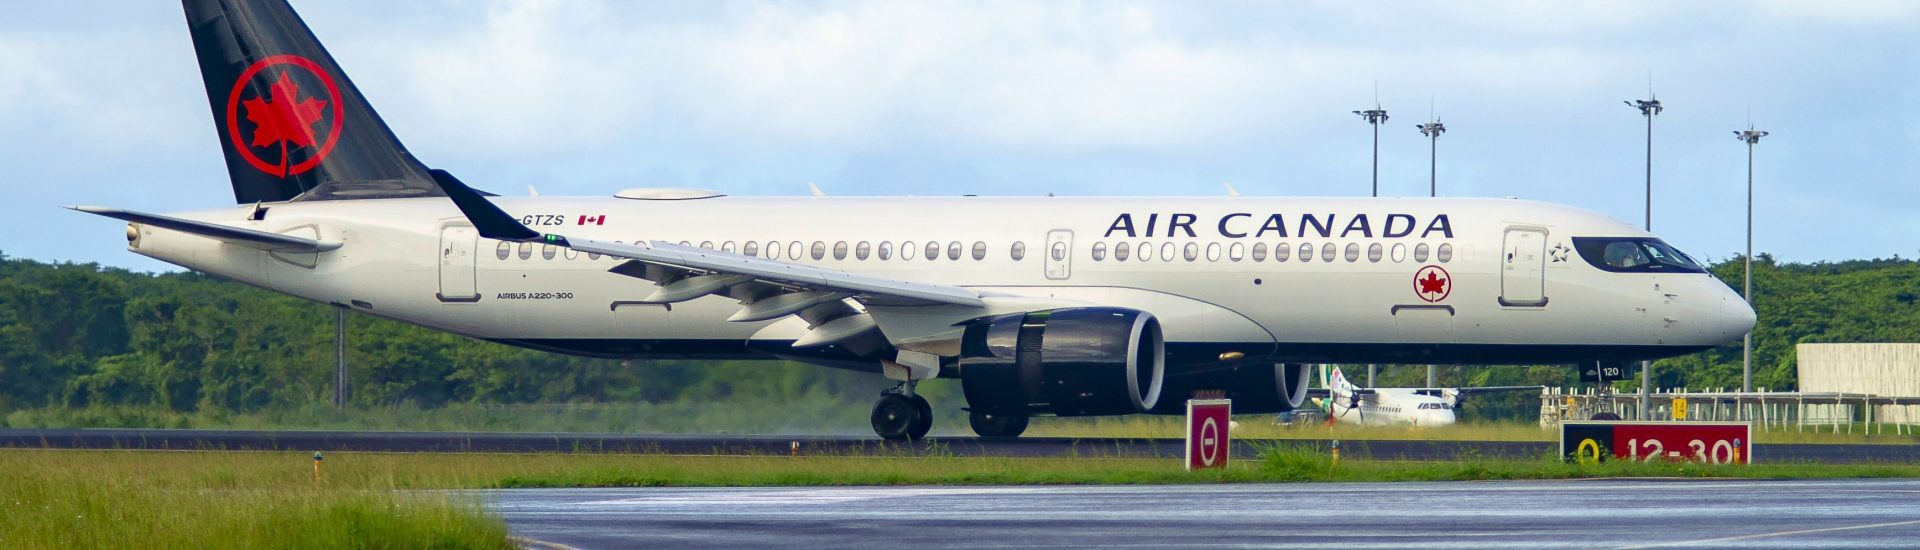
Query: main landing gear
x,y
902,415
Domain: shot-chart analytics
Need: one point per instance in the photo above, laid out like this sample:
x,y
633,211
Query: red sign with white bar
x,y
1208,440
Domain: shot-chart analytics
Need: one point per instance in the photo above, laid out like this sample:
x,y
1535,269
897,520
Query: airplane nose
x,y
1737,315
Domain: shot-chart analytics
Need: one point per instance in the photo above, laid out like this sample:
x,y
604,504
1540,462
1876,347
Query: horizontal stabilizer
x,y
236,235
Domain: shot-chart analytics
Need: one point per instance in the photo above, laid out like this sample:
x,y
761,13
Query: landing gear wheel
x,y
925,424
898,418
998,425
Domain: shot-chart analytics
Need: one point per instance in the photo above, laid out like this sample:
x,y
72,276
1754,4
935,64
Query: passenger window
x,y
819,250
1120,252
1375,252
840,250
1446,253
572,254
1306,252
1146,252
907,250
979,250
1192,251
547,251
506,249
1327,252
1019,250
1260,251
526,250
796,251
1166,252
1099,251
727,246
933,251
682,243
862,250
750,248
1213,252
886,250
1399,252
1353,252
953,250
706,244
1059,251
1236,252
1420,253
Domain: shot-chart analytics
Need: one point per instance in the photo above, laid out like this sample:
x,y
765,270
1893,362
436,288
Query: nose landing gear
x,y
902,415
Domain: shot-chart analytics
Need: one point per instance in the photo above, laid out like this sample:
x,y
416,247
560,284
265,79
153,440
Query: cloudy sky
x,y
100,103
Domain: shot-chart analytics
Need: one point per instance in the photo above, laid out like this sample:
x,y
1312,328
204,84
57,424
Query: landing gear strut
x,y
902,415
997,425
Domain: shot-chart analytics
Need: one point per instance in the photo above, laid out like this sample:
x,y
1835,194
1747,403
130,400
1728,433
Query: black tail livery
x,y
292,125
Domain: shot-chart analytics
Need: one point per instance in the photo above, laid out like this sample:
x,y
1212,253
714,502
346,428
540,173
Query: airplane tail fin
x,y
290,122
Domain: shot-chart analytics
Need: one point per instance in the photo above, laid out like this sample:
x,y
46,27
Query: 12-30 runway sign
x,y
1208,440
1710,442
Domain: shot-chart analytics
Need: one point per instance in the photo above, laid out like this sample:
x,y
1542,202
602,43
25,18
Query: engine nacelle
x,y
1066,362
1254,389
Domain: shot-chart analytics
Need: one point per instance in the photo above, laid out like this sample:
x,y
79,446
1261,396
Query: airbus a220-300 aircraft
x,y
1037,305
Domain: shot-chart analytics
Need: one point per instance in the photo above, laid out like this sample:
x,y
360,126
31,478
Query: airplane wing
x,y
272,242
1497,389
766,288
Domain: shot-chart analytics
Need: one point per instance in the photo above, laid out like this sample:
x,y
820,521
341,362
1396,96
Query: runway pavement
x,y
1564,514
706,444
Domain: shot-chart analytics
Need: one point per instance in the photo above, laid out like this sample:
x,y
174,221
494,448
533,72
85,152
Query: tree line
x,y
79,335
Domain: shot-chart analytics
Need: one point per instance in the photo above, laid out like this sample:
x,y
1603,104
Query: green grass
x,y
106,499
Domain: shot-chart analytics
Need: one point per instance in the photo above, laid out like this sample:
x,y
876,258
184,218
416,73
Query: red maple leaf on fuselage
x,y
1433,284
284,116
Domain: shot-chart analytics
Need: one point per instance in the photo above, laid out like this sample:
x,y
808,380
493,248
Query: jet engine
x,y
1066,362
1253,388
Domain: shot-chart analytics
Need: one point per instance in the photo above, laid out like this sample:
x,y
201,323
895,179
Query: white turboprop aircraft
x,y
1347,403
1036,305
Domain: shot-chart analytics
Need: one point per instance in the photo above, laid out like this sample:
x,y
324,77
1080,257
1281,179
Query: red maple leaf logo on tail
x,y
284,116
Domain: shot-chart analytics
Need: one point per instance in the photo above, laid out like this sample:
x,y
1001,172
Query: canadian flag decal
x,y
593,220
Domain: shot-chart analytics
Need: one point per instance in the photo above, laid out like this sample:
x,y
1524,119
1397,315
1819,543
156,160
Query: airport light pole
x,y
339,356
1375,117
1751,137
1649,108
1433,130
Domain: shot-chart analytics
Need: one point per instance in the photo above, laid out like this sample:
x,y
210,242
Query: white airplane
x,y
1347,403
1037,305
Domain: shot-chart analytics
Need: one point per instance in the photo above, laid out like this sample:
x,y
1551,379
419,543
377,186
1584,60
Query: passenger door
x,y
1523,265
1059,254
457,244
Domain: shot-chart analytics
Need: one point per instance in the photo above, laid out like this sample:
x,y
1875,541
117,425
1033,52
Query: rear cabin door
x,y
1523,268
457,244
1059,253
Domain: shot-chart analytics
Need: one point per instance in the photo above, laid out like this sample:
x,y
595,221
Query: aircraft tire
x,y
925,424
897,418
998,425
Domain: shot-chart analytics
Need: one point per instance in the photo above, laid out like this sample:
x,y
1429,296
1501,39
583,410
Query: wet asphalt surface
x,y
1557,514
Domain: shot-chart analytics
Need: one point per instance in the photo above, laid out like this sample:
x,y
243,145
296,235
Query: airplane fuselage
x,y
1241,278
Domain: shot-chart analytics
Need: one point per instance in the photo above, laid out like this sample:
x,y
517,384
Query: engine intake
x,y
1065,362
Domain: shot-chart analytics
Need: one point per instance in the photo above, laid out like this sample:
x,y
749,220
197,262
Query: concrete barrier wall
x,y
1879,369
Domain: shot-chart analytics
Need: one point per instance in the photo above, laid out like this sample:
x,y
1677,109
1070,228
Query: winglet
x,y
490,220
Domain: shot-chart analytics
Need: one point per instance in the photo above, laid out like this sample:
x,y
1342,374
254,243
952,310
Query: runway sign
x,y
1710,442
1207,439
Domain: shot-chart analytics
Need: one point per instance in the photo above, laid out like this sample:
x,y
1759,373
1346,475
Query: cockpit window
x,y
1634,255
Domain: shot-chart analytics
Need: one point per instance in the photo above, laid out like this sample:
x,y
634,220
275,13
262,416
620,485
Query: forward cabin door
x,y
1059,252
457,244
1523,268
